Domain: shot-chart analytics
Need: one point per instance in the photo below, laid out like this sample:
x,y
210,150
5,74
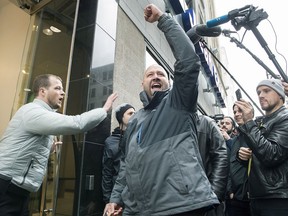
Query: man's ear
x,y
42,91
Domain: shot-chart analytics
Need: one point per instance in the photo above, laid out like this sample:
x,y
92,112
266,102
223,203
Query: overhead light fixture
x,y
51,30
24,71
54,29
48,31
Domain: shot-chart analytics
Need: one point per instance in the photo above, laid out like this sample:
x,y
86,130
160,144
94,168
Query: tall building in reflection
x,y
100,85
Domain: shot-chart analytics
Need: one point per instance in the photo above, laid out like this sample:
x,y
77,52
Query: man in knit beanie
x,y
274,84
112,152
267,138
120,114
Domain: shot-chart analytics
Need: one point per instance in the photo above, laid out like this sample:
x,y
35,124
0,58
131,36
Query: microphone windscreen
x,y
194,37
203,30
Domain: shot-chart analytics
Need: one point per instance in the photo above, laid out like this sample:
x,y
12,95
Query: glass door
x,y
48,49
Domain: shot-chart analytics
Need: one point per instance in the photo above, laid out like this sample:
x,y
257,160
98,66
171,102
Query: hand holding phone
x,y
238,94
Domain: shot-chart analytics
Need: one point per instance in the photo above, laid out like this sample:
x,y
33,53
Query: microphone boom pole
x,y
269,53
205,46
250,22
240,45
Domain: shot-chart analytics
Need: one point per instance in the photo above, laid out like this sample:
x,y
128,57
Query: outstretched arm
x,y
187,65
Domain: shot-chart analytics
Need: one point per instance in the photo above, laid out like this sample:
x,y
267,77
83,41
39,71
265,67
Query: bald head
x,y
155,79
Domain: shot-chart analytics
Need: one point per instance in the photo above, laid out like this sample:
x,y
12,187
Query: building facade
x,y
96,47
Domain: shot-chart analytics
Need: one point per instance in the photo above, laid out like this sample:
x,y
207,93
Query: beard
x,y
229,131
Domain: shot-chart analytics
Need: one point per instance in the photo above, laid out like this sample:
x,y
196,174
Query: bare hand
x,y
109,102
225,134
247,110
55,145
245,153
112,209
152,13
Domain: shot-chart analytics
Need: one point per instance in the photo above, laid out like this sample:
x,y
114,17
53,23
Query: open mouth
x,y
156,86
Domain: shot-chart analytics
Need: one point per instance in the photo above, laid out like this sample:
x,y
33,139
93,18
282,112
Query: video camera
x,y
217,117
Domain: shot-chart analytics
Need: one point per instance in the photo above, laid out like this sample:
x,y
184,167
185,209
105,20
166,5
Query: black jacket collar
x,y
155,101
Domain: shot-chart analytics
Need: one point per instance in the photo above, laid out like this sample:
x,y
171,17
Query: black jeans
x,y
217,211
13,200
269,207
237,208
197,212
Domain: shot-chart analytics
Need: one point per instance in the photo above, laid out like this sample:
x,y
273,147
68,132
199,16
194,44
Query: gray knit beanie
x,y
275,84
120,110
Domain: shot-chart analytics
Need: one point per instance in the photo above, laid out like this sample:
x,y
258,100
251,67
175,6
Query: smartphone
x,y
238,94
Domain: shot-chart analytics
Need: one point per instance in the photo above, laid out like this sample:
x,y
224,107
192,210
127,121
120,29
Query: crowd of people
x,y
164,159
244,158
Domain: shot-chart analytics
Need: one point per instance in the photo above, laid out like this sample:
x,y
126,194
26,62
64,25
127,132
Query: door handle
x,y
47,211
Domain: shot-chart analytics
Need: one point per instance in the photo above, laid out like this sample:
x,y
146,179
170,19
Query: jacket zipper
x,y
26,172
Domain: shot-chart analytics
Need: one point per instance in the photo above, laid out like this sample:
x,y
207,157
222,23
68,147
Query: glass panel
x,y
103,54
107,16
67,171
91,201
47,50
87,13
100,86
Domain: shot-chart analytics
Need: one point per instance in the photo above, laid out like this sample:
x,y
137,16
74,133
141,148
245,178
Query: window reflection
x,y
107,16
103,49
101,77
100,87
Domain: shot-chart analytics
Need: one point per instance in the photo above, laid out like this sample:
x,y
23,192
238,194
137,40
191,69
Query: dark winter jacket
x,y
111,162
213,152
162,173
238,178
268,141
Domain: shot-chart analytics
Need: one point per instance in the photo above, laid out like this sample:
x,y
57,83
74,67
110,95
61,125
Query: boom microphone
x,y
197,31
218,21
226,18
203,30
